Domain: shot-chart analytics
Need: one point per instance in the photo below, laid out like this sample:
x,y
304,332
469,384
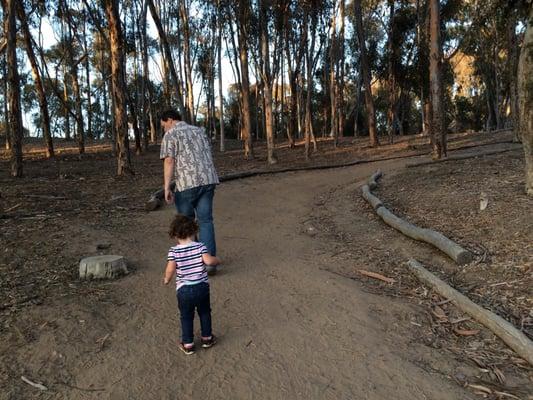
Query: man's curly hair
x,y
182,227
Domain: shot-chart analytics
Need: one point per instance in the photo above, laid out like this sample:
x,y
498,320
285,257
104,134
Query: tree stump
x,y
103,267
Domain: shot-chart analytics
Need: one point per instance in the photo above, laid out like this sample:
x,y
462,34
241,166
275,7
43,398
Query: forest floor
x,y
295,317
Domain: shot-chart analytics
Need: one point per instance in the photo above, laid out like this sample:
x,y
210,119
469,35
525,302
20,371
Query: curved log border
x,y
464,156
515,339
453,250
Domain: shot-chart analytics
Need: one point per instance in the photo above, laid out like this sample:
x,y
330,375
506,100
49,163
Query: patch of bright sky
x,y
50,38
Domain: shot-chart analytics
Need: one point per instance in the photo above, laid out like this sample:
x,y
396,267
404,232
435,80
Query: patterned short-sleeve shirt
x,y
191,150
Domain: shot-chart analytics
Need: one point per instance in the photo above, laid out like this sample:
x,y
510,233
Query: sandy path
x,y
287,328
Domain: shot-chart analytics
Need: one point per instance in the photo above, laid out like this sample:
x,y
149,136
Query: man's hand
x,y
169,196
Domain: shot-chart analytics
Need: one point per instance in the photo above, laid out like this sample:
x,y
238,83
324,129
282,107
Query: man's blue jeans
x,y
198,202
191,298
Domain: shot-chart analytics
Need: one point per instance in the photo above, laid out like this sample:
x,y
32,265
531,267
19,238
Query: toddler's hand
x,y
165,281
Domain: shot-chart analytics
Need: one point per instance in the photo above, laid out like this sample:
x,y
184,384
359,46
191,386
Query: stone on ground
x,y
103,267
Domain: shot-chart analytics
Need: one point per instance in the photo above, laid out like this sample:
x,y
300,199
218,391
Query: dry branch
x,y
437,239
375,275
515,339
34,384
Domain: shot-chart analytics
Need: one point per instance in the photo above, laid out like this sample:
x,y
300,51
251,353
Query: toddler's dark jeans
x,y
191,298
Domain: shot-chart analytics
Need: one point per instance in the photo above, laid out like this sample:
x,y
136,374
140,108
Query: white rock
x,y
103,267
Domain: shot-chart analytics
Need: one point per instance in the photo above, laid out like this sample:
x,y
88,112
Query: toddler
x,y
188,259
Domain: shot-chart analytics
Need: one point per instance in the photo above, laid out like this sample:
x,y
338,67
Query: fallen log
x,y
463,157
373,180
453,250
515,339
368,196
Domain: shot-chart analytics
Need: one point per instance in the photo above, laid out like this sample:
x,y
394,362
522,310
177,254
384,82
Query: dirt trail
x,y
288,329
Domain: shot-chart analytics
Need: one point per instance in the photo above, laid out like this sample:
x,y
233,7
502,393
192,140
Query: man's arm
x,y
168,173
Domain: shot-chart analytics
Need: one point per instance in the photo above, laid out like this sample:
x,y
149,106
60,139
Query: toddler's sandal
x,y
186,350
209,342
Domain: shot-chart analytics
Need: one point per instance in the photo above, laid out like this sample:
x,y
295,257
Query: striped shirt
x,y
190,267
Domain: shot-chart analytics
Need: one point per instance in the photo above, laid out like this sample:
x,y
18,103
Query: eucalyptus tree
x,y
169,59
41,94
13,88
187,43
220,24
513,50
365,70
243,34
3,79
73,56
525,100
334,68
267,75
315,21
118,86
438,122
4,124
147,93
205,50
294,47
399,63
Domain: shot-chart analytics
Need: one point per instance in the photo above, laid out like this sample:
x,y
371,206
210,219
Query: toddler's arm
x,y
210,260
169,272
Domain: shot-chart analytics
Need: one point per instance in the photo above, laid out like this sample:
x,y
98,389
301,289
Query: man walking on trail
x,y
188,162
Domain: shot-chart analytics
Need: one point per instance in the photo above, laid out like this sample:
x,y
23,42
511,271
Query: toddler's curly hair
x,y
183,227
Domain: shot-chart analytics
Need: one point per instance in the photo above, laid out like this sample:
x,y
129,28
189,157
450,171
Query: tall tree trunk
x,y
184,14
6,112
135,126
246,127
365,69
309,133
105,92
13,88
79,116
422,30
118,84
333,78
220,91
267,82
143,100
300,109
88,82
512,56
41,95
392,106
341,73
148,96
358,101
438,126
169,58
292,76
66,102
525,100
